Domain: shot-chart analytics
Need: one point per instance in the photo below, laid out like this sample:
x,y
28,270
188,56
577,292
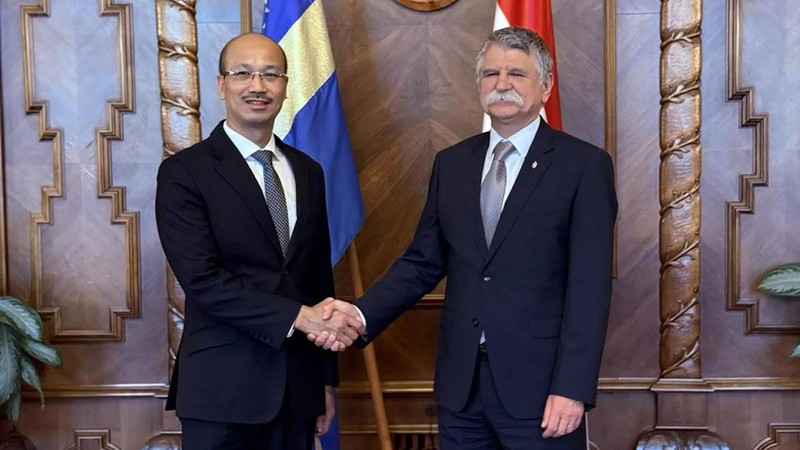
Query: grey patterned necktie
x,y
276,200
493,188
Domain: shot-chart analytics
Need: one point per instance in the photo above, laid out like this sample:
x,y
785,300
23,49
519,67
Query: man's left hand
x,y
562,416
324,421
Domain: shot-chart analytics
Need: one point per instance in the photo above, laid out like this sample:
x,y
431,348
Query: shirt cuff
x,y
291,332
361,316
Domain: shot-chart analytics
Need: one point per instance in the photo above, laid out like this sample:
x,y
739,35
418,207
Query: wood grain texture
x,y
765,237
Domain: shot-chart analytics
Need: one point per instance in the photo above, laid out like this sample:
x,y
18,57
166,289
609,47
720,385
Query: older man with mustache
x,y
520,220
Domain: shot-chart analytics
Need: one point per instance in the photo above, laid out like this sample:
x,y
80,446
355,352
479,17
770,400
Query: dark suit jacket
x,y
541,292
235,363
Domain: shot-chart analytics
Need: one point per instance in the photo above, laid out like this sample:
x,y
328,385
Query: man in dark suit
x,y
243,223
521,221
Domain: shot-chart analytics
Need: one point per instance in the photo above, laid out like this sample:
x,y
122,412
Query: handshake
x,y
331,324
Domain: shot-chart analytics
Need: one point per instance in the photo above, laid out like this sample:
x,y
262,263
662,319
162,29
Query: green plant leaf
x,y
21,317
42,352
30,376
12,407
783,280
9,363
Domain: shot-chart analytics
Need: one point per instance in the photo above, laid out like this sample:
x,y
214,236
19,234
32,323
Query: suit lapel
x,y
302,197
526,182
475,172
234,169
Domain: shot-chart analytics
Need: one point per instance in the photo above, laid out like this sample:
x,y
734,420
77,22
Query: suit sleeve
x,y
588,293
327,288
191,250
417,272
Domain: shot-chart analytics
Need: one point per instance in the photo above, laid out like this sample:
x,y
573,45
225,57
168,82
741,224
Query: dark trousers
x,y
484,424
283,433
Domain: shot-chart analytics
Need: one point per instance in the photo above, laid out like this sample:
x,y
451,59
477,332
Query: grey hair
x,y
520,39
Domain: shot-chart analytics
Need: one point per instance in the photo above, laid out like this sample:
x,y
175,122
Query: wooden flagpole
x,y
370,362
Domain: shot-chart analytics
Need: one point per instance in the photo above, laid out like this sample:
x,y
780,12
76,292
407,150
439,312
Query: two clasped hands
x,y
331,324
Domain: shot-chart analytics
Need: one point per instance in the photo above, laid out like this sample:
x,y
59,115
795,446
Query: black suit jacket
x,y
541,292
235,363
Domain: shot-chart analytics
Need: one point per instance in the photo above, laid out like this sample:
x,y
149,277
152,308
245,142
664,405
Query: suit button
x,y
487,279
475,322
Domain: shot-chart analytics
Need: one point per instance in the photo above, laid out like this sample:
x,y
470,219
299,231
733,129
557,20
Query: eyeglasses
x,y
246,76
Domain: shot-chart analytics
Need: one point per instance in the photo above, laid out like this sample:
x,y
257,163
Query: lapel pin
x,y
535,164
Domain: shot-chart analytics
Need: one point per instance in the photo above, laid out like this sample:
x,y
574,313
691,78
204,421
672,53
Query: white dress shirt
x,y
279,161
522,141
282,167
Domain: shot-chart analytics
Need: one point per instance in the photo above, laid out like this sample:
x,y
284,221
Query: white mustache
x,y
503,96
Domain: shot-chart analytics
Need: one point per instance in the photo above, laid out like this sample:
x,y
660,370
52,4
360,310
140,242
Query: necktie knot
x,y
264,157
502,150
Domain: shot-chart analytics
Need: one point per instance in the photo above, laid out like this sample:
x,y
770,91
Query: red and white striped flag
x,y
538,16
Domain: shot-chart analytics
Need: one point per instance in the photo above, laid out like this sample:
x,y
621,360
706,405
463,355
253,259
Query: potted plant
x,y
783,280
20,344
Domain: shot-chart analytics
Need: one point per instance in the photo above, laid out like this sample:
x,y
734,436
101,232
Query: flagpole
x,y
373,376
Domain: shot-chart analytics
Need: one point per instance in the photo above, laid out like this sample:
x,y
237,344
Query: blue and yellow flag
x,y
312,118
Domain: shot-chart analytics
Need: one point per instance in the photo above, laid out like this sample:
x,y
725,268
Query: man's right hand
x,y
331,324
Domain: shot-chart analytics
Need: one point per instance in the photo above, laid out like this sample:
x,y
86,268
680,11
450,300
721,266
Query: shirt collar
x,y
247,147
522,139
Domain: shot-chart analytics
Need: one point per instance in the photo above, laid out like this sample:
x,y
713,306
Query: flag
x,y
536,15
312,117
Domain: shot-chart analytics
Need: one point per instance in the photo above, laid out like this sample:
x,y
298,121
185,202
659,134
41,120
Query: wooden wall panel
x,y
408,88
767,236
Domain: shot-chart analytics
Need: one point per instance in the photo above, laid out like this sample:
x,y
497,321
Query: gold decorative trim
x,y
425,388
426,5
747,182
246,15
179,81
102,391
610,94
772,441
105,188
681,385
95,439
405,428
679,186
356,389
3,235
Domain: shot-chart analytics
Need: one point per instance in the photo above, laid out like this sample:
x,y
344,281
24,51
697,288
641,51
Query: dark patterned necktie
x,y
276,199
493,188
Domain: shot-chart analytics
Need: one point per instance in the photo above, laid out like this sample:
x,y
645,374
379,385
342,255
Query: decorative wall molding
x,y
105,188
92,439
747,182
679,188
679,439
610,94
772,441
176,28
3,232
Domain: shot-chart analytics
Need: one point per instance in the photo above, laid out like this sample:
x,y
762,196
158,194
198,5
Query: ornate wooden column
x,y
176,28
680,390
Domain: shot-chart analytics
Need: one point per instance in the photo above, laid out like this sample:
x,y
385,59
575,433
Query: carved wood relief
x,y
92,440
748,182
176,26
780,436
680,188
105,189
